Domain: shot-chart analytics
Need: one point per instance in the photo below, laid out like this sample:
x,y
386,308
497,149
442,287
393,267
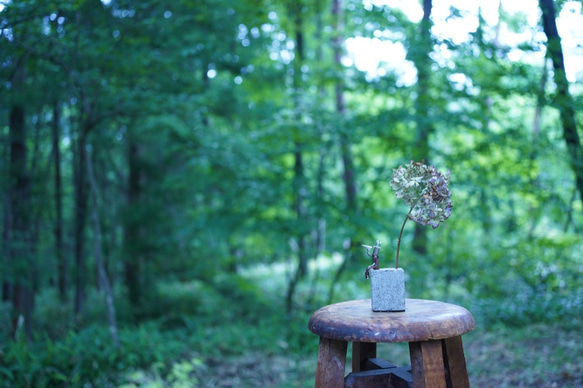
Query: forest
x,y
183,183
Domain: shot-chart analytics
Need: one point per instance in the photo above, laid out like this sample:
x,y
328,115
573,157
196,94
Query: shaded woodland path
x,y
534,356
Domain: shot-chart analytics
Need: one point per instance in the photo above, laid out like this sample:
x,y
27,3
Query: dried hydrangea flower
x,y
426,191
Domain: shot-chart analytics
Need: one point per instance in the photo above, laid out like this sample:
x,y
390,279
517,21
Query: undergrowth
x,y
190,332
180,327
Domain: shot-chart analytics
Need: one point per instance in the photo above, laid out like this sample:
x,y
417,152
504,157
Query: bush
x,y
87,357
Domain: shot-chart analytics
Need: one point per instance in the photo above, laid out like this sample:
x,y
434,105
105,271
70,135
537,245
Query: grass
x,y
537,355
267,348
532,356
235,332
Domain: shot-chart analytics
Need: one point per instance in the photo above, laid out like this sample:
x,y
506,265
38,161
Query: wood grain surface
x,y
422,320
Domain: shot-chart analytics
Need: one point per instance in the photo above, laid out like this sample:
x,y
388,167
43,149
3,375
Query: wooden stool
x,y
432,329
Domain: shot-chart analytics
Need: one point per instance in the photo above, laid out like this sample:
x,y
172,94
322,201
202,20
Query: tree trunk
x,y
299,184
20,249
103,278
133,259
348,172
87,121
423,109
299,173
7,285
80,181
300,209
59,251
319,240
563,100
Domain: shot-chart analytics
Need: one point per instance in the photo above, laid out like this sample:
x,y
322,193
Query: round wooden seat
x,y
432,329
423,320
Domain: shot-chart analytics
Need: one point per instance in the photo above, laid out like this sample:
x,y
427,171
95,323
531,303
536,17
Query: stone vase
x,y
387,289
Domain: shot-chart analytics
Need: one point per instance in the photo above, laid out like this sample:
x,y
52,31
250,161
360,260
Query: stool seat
x,y
433,330
423,320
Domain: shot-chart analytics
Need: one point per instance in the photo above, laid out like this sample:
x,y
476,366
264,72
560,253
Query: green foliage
x,y
82,357
221,155
187,339
165,349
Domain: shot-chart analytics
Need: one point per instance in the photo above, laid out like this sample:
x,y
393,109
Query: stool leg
x,y
427,364
360,352
455,362
331,363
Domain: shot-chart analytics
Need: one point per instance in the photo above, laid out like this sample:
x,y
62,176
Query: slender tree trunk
x,y
349,171
299,172
37,172
300,209
563,100
59,250
103,278
320,232
20,250
299,184
133,259
7,284
423,109
81,191
87,121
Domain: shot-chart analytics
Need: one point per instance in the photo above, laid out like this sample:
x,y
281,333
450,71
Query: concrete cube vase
x,y
387,288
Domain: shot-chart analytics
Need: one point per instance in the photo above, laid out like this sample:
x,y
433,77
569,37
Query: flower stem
x,y
401,232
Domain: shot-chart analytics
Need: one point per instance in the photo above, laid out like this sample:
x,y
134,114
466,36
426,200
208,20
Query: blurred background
x,y
183,183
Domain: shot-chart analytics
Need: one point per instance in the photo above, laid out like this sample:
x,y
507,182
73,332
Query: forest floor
x,y
201,339
533,356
